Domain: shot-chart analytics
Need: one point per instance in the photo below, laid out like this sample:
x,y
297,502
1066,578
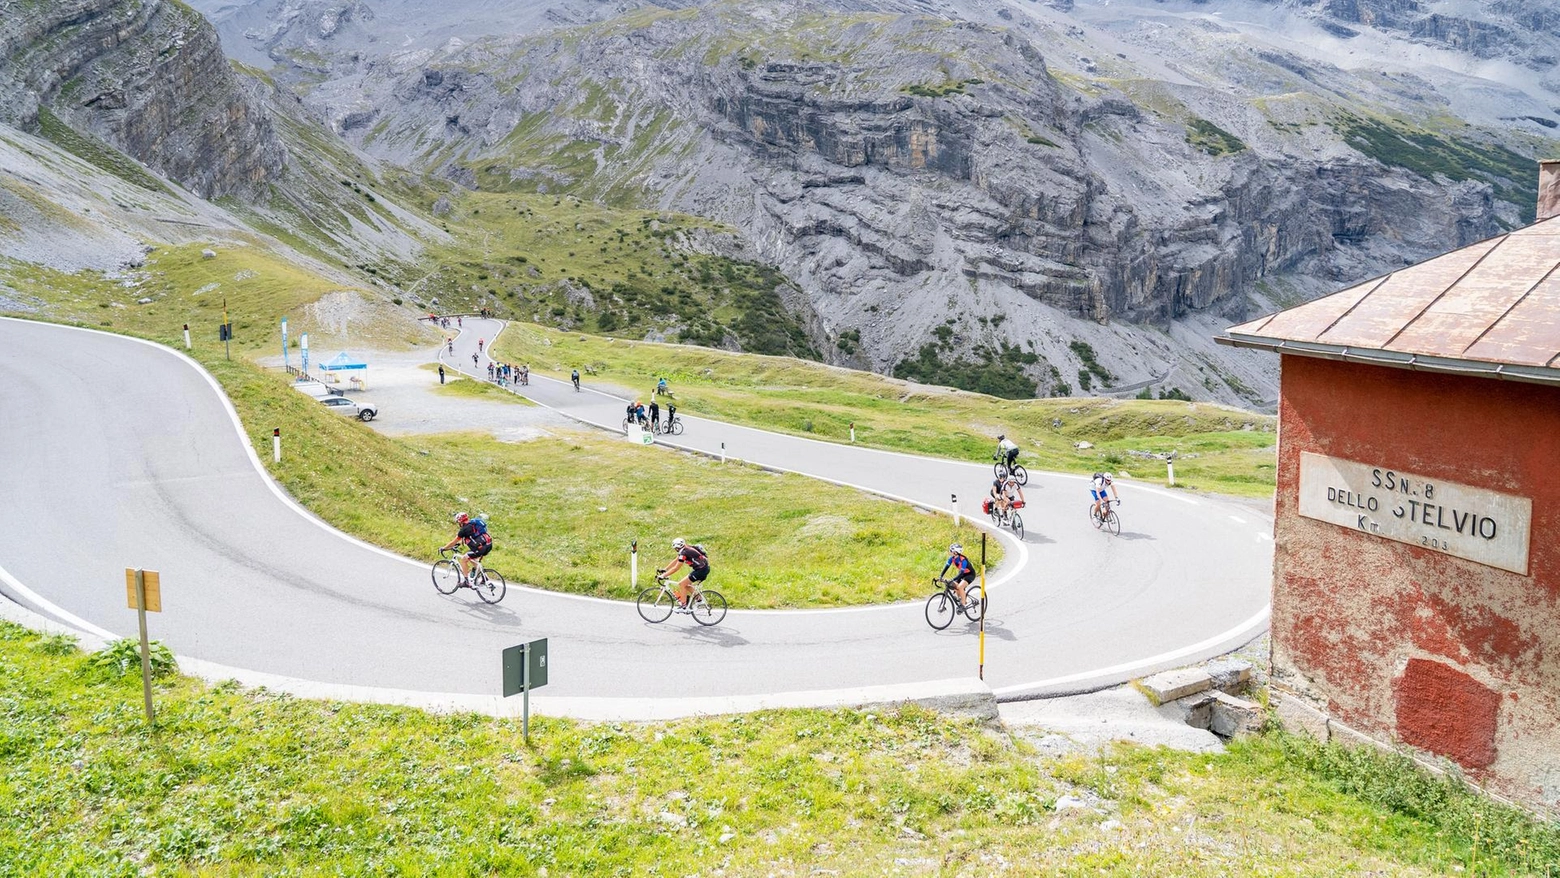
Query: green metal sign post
x,y
525,668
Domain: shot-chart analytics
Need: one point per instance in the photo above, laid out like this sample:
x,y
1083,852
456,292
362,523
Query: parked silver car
x,y
361,409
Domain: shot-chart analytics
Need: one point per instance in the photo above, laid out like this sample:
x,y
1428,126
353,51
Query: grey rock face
x,y
1524,30
146,76
906,170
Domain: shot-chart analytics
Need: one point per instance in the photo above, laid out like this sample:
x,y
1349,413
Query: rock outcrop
x,y
147,77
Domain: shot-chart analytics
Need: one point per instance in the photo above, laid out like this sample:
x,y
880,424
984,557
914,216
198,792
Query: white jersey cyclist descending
x,y
1098,486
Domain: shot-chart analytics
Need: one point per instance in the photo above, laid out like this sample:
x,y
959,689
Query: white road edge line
x,y
1251,626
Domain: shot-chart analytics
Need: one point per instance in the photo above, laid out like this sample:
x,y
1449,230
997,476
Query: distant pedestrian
x,y
525,374
441,373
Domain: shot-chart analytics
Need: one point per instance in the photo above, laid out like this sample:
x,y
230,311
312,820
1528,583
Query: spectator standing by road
x,y
655,415
441,373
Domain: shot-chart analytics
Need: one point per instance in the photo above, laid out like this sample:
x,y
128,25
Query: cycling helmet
x,y
1108,477
679,543
461,518
957,548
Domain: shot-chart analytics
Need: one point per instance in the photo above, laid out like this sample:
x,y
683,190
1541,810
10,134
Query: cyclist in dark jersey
x,y
478,542
966,570
698,570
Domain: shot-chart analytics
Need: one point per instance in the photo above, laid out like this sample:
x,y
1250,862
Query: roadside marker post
x,y
276,444
983,606
227,332
722,452
955,509
143,591
633,564
852,431
525,668
187,345
1170,468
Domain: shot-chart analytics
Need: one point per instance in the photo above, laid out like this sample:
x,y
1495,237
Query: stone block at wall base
x,y
1298,717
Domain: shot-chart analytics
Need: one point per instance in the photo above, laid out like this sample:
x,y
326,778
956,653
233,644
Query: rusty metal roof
x,y
1491,308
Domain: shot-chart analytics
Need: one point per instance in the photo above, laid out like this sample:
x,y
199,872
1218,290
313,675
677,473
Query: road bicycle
x,y
672,425
657,603
630,423
1107,519
1010,519
1001,469
943,605
489,585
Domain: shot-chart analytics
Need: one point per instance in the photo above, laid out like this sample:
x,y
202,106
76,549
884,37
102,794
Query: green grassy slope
x,y
578,265
253,783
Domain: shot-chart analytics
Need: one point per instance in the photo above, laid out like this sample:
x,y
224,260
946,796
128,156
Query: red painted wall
x,y
1406,643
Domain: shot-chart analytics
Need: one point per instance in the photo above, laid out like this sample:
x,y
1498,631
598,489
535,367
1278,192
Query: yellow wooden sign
x,y
150,584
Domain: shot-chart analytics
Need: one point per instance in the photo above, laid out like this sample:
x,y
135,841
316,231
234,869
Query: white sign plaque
x,y
1473,523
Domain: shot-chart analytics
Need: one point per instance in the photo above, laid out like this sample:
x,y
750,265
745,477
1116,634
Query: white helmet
x,y
679,543
957,548
1108,476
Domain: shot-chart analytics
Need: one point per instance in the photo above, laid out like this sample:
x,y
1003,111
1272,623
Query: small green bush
x,y
122,658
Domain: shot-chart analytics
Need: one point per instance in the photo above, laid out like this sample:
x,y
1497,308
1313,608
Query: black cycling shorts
x,y
966,577
698,574
478,552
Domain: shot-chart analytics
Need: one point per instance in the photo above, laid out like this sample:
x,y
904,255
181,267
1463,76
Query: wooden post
x,y
146,649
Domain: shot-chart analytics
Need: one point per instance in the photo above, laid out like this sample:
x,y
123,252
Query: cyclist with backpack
x,y
1007,452
698,570
575,377
474,533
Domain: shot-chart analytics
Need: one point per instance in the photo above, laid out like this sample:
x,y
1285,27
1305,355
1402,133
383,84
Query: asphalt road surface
x,y
117,453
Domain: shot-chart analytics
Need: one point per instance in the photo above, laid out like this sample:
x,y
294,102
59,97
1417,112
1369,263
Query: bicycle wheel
x,y
677,427
709,607
996,517
1094,517
940,610
999,470
655,604
492,587
1018,526
1112,523
974,601
446,576
1021,474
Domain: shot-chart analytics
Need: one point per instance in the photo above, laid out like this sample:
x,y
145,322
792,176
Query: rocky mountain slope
x,y
1038,197
1077,193
150,79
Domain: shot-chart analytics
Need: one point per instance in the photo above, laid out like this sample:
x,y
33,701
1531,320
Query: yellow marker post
x,y
143,590
983,606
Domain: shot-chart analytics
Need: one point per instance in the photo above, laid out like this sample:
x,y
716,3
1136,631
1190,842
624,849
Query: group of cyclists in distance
x,y
1006,494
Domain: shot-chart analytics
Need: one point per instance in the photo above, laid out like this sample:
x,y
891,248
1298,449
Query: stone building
x,y
1416,581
